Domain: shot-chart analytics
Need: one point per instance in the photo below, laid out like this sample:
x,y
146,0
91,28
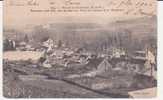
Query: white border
x,y
1,31
160,54
160,49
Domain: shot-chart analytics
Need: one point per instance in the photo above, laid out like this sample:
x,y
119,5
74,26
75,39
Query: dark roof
x,y
130,60
79,69
93,63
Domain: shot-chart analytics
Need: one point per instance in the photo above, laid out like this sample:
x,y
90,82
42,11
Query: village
x,y
75,72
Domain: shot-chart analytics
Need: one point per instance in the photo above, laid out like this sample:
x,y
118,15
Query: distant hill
x,y
140,30
138,27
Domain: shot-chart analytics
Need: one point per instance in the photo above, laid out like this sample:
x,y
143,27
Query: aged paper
x,y
80,49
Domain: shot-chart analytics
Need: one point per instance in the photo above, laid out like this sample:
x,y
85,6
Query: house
x,y
151,57
9,45
83,59
139,55
117,53
46,64
104,66
49,44
95,67
147,59
57,54
101,66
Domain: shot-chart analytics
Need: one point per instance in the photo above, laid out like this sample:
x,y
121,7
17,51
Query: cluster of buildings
x,y
113,69
57,54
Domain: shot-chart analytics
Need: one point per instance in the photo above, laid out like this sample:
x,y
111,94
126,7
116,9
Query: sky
x,y
17,13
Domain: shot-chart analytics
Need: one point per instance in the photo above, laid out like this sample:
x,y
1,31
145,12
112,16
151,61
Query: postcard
x,y
80,49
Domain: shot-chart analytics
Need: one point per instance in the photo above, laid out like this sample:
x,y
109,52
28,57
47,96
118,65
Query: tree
x,y
26,39
59,43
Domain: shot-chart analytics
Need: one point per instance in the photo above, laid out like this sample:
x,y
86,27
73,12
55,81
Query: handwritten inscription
x,y
33,2
135,7
71,2
24,3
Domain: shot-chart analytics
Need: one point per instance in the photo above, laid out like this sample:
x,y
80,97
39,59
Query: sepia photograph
x,y
80,49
